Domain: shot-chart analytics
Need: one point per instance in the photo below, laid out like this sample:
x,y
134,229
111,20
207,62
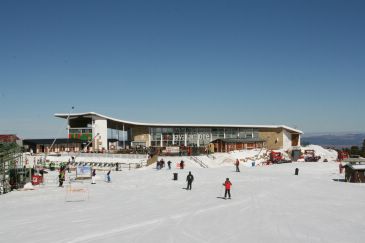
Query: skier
x,y
189,179
182,164
169,164
108,176
237,165
227,184
93,175
61,177
68,166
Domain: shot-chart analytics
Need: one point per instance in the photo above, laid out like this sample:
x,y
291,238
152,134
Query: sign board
x,y
83,172
172,150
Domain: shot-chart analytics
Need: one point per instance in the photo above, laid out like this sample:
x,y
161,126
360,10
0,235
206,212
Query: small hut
x,y
355,170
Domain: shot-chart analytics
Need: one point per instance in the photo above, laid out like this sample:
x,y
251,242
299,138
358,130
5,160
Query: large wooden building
x,y
103,131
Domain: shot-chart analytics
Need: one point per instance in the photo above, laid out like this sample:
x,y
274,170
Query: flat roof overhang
x,y
134,124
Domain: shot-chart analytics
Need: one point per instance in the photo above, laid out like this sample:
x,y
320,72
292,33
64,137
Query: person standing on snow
x,y
108,176
61,177
169,164
182,164
237,165
189,179
93,175
227,184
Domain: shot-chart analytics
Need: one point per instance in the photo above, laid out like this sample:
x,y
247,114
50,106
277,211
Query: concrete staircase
x,y
152,160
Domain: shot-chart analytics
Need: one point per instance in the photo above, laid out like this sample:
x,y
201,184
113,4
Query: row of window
x,y
80,130
197,136
200,130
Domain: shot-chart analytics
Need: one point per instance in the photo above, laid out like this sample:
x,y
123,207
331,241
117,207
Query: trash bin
x,y
296,171
175,176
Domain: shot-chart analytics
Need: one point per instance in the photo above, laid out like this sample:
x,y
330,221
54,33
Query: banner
x,y
172,150
83,172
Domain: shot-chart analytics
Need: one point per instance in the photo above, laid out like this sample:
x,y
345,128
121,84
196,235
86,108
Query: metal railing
x,y
105,155
97,165
198,161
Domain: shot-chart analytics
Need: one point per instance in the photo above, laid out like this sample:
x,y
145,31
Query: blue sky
x,y
297,63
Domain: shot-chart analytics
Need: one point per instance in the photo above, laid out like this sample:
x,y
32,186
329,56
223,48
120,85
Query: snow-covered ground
x,y
329,154
269,204
252,157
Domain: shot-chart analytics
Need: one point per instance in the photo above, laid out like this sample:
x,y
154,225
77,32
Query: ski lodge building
x,y
107,133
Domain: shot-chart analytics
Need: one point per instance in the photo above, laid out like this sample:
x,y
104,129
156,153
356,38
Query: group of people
x,y
93,177
161,164
62,175
227,185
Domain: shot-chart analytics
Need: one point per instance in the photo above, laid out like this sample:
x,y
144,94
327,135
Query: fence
x,y
98,165
201,163
106,155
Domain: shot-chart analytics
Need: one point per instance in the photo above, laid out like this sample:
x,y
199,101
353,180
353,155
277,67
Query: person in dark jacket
x,y
169,164
61,177
189,179
227,184
237,165
108,176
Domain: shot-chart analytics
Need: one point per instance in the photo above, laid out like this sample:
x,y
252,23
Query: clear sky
x,y
297,63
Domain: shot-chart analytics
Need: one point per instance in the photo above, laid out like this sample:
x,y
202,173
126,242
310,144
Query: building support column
x,y
186,138
123,138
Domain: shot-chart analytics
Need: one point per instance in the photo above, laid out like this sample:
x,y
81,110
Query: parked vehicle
x,y
310,156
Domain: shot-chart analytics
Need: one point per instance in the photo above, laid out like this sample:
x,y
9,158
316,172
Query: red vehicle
x,y
342,155
277,158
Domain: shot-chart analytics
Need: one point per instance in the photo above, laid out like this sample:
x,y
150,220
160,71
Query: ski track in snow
x,y
118,230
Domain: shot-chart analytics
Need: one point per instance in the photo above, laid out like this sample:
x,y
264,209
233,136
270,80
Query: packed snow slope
x,y
269,204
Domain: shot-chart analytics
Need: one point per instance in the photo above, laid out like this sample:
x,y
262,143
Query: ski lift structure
x,y
12,173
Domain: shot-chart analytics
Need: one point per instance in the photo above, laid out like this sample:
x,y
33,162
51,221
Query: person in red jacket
x,y
227,184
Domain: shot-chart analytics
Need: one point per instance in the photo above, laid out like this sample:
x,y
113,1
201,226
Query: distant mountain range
x,y
337,140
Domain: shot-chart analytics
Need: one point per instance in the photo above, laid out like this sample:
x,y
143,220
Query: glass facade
x,y
196,136
80,133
